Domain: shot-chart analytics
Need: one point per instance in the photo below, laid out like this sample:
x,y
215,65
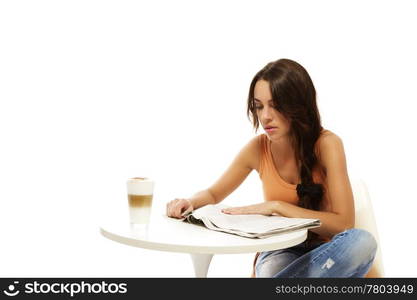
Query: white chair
x,y
365,219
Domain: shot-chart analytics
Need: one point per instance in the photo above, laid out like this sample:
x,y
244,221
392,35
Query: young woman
x,y
304,175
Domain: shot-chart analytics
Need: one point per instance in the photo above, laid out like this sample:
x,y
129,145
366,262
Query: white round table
x,y
169,234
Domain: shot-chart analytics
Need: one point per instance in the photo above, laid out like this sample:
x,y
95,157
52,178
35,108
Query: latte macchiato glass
x,y
140,195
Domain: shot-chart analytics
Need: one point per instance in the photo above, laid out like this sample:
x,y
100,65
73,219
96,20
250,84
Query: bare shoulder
x,y
328,135
251,153
330,147
328,139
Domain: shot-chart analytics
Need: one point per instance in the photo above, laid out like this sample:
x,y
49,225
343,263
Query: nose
x,y
266,114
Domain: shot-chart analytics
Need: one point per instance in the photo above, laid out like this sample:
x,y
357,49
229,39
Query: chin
x,y
275,137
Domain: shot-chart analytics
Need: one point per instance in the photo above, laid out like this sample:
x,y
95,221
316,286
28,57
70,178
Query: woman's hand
x,y
179,206
267,208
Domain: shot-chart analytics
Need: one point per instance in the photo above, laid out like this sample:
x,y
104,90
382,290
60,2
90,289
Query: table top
x,y
174,235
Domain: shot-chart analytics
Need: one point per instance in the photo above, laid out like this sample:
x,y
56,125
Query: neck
x,y
283,148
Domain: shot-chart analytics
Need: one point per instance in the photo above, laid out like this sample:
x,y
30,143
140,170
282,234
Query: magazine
x,y
250,225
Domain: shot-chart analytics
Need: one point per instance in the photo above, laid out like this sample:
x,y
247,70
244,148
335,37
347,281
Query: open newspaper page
x,y
251,226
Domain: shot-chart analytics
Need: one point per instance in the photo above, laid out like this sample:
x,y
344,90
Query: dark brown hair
x,y
294,96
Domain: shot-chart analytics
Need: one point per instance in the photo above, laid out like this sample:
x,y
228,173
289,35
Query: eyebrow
x,y
261,101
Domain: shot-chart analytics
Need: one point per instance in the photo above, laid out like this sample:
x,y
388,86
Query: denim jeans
x,y
349,254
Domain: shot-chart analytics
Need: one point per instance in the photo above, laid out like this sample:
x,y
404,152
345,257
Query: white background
x,y
93,92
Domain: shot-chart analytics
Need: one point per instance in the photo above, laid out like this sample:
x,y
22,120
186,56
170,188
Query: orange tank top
x,y
276,188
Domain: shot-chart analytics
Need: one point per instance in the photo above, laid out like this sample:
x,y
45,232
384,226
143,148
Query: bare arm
x,y
242,165
202,198
332,223
341,215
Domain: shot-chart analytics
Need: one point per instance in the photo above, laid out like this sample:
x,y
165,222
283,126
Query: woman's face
x,y
274,123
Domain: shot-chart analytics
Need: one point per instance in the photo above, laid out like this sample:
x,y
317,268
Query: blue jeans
x,y
349,254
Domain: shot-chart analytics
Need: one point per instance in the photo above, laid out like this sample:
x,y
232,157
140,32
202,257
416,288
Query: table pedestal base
x,y
201,263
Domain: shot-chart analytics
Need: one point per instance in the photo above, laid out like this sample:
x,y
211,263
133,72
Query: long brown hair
x,y
294,96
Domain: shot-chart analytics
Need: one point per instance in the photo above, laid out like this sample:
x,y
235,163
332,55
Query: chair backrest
x,y
365,219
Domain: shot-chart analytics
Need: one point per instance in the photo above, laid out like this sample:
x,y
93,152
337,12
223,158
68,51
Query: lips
x,y
269,127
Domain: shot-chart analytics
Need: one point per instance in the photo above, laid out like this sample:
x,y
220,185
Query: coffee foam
x,y
140,186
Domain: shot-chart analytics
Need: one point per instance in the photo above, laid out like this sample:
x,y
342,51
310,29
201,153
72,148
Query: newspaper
x,y
250,225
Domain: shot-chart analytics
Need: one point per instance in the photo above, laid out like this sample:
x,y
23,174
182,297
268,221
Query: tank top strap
x,y
263,146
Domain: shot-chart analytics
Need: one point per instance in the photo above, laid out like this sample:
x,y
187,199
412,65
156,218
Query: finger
x,y
177,210
169,210
170,206
229,210
236,210
189,209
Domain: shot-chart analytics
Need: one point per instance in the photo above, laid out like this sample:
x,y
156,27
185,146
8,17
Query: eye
x,y
258,107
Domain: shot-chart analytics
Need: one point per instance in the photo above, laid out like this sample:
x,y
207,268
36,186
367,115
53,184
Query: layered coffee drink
x,y
140,195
